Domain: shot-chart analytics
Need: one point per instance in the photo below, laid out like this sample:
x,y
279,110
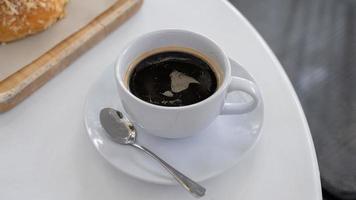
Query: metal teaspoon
x,y
122,131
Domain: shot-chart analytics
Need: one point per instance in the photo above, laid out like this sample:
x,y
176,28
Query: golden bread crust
x,y
20,18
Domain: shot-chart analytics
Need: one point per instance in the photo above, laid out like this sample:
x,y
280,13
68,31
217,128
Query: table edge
x,y
292,92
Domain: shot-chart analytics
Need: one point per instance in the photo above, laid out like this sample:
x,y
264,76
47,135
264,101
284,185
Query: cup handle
x,y
244,85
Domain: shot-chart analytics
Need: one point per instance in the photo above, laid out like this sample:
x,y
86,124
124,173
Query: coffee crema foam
x,y
173,76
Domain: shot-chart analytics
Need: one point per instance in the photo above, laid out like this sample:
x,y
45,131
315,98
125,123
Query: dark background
x,y
315,40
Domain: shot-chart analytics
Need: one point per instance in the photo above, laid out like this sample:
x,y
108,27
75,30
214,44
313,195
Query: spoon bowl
x,y
117,126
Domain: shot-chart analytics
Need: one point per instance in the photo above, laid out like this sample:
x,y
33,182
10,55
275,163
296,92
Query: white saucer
x,y
216,149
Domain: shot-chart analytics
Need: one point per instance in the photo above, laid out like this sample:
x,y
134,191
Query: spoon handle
x,y
194,188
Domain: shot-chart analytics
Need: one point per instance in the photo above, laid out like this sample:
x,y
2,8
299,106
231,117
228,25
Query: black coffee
x,y
172,78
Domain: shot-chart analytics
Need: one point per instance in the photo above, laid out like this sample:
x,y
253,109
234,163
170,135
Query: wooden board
x,y
24,82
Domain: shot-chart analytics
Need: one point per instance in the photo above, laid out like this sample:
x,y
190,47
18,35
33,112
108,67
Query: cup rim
x,y
226,79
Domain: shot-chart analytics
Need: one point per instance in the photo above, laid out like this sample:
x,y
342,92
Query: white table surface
x,y
45,152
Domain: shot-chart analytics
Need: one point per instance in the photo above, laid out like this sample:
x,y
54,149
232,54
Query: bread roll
x,y
20,18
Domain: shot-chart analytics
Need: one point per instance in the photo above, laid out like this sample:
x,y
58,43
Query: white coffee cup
x,y
181,121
